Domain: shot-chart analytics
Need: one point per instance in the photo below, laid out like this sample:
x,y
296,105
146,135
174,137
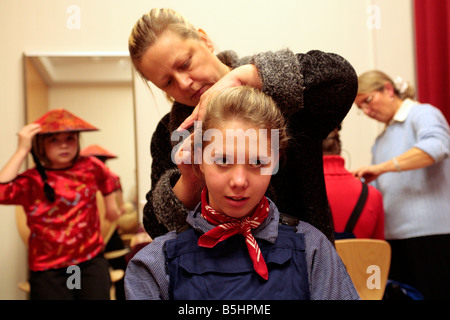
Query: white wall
x,y
247,27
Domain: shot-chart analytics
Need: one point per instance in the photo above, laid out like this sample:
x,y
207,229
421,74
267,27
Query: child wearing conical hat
x,y
58,196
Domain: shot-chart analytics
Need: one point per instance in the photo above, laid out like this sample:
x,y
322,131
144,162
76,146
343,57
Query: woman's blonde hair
x,y
248,105
375,80
151,25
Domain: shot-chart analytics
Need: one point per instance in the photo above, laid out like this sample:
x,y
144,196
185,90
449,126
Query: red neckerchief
x,y
228,226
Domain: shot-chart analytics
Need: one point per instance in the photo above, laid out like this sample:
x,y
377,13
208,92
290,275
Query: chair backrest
x,y
367,262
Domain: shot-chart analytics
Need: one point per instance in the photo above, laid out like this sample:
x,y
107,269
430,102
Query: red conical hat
x,y
97,151
60,120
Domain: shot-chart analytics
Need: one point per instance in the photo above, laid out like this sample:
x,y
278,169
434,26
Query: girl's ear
x,y
197,156
205,38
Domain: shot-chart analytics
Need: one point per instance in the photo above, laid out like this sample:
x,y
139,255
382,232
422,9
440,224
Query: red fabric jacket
x,y
343,191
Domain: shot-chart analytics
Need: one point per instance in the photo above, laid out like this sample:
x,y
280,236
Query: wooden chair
x,y
367,262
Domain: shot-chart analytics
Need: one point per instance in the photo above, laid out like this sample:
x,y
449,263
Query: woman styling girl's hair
x,y
314,91
234,231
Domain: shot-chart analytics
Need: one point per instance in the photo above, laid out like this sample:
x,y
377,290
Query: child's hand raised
x,y
12,167
26,135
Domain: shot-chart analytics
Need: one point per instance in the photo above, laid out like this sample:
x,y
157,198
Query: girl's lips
x,y
237,201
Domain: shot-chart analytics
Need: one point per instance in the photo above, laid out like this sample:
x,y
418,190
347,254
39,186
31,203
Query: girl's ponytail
x,y
48,190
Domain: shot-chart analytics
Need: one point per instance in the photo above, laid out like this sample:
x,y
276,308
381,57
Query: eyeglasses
x,y
365,104
368,99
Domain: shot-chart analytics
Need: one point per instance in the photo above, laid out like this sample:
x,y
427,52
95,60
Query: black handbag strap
x,y
358,209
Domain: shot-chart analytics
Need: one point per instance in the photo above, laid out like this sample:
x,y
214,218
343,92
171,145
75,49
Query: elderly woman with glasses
x,y
411,168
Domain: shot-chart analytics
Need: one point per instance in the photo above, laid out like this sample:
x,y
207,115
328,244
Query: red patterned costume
x,y
67,231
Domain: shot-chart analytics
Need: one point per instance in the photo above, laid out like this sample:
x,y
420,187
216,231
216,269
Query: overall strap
x,y
358,209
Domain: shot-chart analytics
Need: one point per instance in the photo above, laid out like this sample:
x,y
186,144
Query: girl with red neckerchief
x,y
236,247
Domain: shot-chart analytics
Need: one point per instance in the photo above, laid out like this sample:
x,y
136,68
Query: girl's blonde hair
x,y
375,80
151,25
248,105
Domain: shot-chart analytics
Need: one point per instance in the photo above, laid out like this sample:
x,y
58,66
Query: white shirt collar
x,y
403,111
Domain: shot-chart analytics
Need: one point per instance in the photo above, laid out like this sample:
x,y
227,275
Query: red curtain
x,y
432,31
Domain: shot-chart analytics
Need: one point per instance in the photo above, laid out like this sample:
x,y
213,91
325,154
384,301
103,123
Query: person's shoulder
x,y
312,234
152,251
231,59
305,227
425,112
30,173
419,108
374,192
89,162
163,122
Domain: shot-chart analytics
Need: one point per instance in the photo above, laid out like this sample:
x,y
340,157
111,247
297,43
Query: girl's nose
x,y
239,178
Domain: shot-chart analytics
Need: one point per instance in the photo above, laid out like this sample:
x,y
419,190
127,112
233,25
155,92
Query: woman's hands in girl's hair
x,y
10,171
189,185
246,75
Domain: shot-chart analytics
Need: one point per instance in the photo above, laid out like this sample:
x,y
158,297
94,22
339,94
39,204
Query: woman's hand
x,y
412,159
241,76
368,173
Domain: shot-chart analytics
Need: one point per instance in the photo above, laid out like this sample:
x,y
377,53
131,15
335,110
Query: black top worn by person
x,y
314,91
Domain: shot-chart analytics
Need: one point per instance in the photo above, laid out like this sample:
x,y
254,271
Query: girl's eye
x,y
51,139
222,160
258,163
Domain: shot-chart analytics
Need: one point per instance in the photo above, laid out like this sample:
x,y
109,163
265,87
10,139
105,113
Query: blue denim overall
x,y
226,272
